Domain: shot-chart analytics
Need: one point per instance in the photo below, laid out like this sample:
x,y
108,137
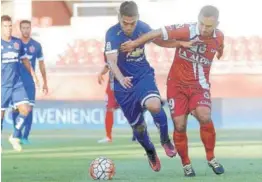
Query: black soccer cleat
x,y
189,171
216,166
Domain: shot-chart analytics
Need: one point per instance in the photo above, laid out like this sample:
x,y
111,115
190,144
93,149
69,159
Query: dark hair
x,y
5,18
26,22
128,8
209,11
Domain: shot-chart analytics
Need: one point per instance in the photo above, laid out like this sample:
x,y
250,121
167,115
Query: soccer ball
x,y
102,168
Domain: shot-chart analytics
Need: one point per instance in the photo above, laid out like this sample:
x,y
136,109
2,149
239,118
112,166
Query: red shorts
x,y
110,98
184,99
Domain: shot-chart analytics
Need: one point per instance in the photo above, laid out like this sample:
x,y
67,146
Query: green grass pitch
x,y
65,155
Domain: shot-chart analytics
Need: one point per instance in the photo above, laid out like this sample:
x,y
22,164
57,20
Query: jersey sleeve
x,y
112,45
146,28
178,32
39,54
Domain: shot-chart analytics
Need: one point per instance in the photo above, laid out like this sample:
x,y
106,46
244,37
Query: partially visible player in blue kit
x,y
33,50
12,88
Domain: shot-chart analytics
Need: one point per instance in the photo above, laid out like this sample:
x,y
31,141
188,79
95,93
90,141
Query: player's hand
x,y
219,55
128,46
45,89
220,52
126,82
100,79
189,44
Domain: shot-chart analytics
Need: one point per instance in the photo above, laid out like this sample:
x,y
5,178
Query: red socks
x,y
109,120
208,137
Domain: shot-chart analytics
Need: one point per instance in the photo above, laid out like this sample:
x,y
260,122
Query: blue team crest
x,y
16,46
32,49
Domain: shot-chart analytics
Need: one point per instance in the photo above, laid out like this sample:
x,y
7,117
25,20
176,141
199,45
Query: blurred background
x,y
72,36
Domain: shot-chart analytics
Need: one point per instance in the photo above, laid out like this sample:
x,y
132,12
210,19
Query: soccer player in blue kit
x,y
12,88
33,50
134,84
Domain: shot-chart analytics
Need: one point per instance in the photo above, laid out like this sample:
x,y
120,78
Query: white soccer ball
x,y
102,168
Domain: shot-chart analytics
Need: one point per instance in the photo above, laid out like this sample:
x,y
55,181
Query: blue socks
x,y
19,124
160,120
28,124
141,134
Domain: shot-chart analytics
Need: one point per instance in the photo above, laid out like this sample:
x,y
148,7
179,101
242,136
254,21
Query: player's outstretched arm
x,y
30,69
176,43
112,62
167,43
129,46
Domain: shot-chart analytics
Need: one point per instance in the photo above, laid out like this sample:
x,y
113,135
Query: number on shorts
x,y
171,104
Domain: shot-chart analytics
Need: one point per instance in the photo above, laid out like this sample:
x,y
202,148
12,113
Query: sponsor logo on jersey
x,y
194,57
10,55
136,56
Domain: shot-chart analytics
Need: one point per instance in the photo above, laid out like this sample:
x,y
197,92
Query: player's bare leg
x,y
140,131
208,137
154,106
181,143
14,138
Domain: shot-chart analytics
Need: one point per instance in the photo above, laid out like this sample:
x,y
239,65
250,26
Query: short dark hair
x,y
128,8
209,11
5,18
25,21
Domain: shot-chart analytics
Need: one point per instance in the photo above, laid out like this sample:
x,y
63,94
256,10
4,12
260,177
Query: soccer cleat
x,y
105,140
15,142
25,141
189,171
153,160
169,148
216,166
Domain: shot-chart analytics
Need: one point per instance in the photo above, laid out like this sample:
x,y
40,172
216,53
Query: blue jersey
x,y
33,51
132,64
11,53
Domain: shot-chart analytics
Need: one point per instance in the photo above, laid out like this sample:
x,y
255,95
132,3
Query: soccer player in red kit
x,y
111,104
188,87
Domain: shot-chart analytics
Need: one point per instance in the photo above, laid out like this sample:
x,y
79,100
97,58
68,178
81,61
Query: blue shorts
x,y
133,103
13,95
30,91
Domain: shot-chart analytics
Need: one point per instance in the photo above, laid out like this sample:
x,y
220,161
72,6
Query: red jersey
x,y
191,66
